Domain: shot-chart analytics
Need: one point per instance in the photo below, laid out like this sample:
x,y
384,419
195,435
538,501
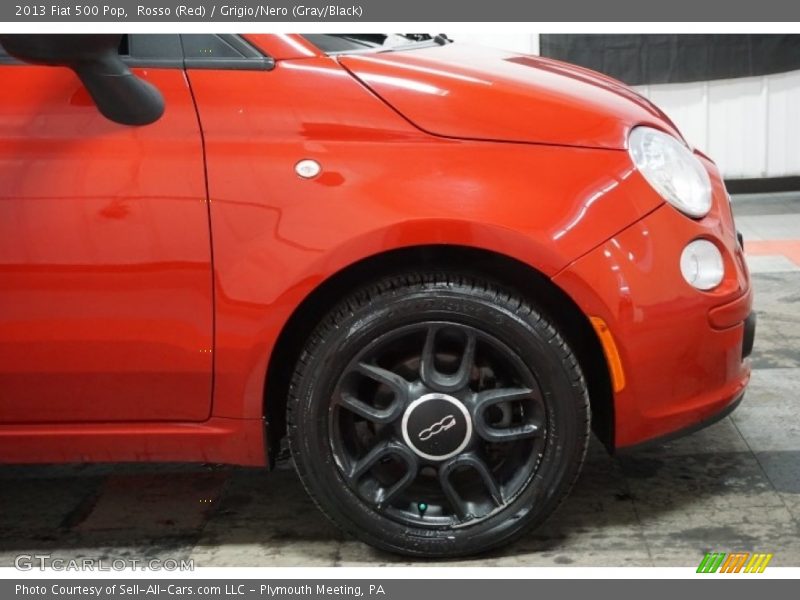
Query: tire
x,y
437,415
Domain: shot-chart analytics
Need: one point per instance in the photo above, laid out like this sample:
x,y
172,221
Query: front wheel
x,y
437,415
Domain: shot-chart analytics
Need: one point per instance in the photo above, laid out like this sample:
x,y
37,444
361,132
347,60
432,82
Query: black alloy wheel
x,y
437,415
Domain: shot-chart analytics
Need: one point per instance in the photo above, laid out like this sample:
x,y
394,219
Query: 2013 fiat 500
x,y
431,268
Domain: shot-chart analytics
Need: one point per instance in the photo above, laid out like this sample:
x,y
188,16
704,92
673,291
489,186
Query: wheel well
x,y
503,270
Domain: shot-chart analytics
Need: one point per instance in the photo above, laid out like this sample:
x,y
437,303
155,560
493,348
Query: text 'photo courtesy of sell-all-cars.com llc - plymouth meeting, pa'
x,y
433,268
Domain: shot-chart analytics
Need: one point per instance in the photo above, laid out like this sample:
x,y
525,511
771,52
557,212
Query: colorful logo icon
x,y
737,562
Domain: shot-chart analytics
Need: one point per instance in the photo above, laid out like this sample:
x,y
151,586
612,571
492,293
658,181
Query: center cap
x,y
436,426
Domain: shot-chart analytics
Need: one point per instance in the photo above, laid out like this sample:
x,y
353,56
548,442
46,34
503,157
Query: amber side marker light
x,y
611,352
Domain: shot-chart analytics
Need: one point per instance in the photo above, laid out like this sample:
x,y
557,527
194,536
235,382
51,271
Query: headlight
x,y
672,170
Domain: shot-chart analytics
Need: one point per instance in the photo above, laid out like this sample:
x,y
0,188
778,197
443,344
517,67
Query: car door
x,y
106,305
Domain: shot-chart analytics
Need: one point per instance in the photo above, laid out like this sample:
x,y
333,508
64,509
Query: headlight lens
x,y
672,170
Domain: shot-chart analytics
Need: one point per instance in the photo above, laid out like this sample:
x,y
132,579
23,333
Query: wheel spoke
x,y
509,434
453,497
489,398
476,464
369,460
394,382
494,396
431,376
406,480
385,495
367,411
488,478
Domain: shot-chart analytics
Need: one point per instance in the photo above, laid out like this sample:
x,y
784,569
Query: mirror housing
x,y
118,94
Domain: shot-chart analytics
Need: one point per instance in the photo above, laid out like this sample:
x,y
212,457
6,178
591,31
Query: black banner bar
x,y
393,589
306,11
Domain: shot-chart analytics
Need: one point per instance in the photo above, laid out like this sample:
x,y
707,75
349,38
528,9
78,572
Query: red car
x,y
432,268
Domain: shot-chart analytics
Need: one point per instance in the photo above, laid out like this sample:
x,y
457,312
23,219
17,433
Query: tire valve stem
x,y
422,507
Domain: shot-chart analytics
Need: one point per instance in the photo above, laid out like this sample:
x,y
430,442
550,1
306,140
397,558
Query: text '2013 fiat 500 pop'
x,y
432,268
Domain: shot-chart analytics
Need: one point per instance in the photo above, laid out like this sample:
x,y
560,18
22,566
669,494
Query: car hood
x,y
461,91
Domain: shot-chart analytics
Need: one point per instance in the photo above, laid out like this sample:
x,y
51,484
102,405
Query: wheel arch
x,y
502,269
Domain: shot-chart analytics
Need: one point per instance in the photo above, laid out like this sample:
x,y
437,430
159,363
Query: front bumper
x,y
682,350
708,421
747,348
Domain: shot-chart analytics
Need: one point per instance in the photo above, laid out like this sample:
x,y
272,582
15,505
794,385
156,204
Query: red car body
x,y
151,278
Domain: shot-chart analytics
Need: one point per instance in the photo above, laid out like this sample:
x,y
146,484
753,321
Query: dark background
x,y
645,59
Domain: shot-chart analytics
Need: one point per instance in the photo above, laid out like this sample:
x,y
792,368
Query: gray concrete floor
x,y
732,487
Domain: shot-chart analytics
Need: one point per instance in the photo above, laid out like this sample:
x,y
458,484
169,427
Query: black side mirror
x,y
119,94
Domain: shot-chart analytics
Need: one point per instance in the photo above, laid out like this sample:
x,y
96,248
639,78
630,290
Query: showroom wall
x,y
749,125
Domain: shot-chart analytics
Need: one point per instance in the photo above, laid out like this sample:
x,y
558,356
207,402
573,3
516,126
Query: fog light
x,y
702,265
